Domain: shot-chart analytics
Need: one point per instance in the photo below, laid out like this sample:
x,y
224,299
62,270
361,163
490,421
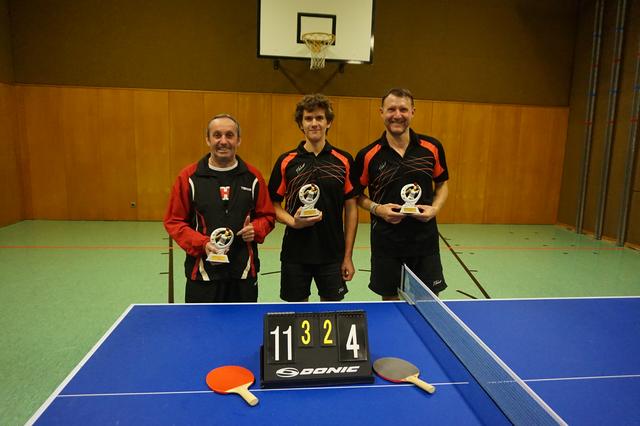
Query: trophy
x,y
221,239
309,195
410,194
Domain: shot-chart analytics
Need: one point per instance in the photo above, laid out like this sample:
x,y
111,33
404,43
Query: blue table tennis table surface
x,y
581,356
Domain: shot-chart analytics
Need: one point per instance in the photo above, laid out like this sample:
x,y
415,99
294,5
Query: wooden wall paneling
x,y
117,144
447,128
22,151
254,115
43,135
219,103
534,200
505,162
352,132
285,134
633,225
376,126
423,118
501,184
187,141
79,128
10,179
558,120
636,177
152,153
473,163
334,130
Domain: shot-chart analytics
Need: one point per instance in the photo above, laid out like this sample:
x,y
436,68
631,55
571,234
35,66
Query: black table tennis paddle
x,y
398,370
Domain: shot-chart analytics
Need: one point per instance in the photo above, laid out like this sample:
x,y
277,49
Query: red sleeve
x,y
264,217
177,218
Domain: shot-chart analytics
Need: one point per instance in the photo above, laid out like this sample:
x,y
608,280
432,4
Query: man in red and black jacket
x,y
402,163
220,191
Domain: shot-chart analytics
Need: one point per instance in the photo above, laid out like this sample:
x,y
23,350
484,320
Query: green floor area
x,y
63,284
515,261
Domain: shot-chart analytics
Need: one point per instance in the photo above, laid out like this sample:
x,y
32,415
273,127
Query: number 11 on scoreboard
x,y
276,334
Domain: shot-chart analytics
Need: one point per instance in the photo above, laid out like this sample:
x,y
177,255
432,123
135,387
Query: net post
x,y
401,291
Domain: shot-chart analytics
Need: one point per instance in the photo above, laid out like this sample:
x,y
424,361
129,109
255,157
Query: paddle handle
x,y
421,384
243,391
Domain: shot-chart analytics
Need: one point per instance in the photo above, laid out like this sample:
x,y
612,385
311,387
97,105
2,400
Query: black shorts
x,y
221,291
386,273
295,281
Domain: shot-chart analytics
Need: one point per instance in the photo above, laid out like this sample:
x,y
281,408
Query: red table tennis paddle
x,y
232,379
398,370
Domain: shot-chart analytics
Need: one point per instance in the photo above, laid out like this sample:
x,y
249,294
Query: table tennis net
x,y
519,403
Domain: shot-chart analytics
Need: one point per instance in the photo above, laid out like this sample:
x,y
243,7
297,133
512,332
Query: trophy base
x,y
409,210
309,212
218,258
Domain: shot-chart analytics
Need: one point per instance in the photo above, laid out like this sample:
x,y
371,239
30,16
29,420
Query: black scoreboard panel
x,y
315,348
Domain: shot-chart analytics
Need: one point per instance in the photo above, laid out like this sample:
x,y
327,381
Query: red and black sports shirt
x,y
330,170
384,172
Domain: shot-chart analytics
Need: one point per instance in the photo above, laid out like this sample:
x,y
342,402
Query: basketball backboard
x,y
281,24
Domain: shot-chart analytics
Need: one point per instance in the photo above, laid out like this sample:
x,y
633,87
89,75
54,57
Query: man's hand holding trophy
x,y
309,195
221,238
410,194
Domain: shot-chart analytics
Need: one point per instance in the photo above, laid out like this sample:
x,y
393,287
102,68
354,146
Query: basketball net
x,y
317,44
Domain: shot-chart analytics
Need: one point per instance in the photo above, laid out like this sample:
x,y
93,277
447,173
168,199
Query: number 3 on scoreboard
x,y
305,335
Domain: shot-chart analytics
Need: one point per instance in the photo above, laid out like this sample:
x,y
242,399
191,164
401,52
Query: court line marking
x,y
519,299
560,379
464,266
321,388
521,248
89,247
77,368
525,248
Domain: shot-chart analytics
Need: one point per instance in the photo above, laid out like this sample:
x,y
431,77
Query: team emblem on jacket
x,y
225,192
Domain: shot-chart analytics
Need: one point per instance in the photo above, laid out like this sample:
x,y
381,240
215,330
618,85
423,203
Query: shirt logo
x,y
382,166
299,168
245,188
225,192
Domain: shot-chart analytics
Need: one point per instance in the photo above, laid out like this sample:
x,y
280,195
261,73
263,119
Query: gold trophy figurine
x,y
309,195
221,239
410,194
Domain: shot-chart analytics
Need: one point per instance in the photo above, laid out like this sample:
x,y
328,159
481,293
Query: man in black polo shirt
x,y
315,247
402,165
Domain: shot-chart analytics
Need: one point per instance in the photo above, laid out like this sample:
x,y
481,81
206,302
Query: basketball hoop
x,y
317,44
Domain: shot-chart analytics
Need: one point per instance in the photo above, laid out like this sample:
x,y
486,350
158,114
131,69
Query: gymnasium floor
x,y
62,284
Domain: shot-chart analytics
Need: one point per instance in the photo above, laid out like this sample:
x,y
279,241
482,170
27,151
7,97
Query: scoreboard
x,y
315,348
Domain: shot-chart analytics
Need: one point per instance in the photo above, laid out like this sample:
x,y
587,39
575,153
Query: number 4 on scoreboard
x,y
353,338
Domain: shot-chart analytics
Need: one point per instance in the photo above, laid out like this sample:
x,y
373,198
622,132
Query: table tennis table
x,y
580,355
